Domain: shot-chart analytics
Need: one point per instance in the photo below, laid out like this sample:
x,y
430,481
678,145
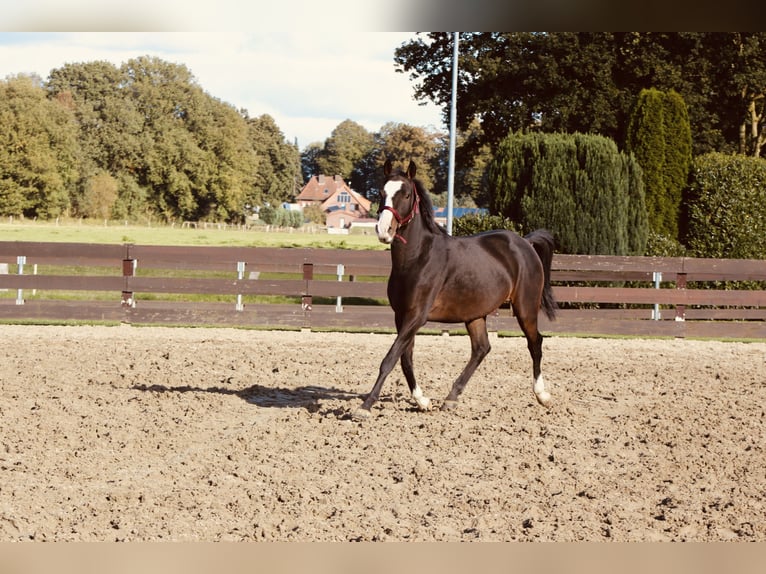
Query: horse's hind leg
x,y
424,403
480,347
528,324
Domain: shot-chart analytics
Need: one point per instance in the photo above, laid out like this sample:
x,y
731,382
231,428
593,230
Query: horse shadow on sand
x,y
309,397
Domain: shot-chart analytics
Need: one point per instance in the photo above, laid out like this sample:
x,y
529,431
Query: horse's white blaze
x,y
423,402
390,190
542,395
386,218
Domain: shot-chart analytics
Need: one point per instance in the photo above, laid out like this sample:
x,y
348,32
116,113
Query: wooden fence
x,y
346,289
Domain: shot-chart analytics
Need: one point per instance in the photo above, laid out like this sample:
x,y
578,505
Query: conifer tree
x,y
659,136
637,219
678,157
578,186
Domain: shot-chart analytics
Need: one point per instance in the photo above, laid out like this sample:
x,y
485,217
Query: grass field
x,y
116,233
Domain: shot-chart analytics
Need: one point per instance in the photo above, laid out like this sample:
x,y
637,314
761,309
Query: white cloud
x,y
309,81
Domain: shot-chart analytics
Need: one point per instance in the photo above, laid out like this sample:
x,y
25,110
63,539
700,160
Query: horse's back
x,y
506,246
512,255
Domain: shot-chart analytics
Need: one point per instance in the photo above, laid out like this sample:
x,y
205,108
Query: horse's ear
x,y
411,170
387,168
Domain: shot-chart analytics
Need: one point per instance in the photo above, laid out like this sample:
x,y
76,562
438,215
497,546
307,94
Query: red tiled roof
x,y
320,187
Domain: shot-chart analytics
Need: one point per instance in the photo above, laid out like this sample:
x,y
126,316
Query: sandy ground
x,y
145,434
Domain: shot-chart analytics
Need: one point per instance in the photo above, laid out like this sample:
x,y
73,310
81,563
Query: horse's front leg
x,y
394,353
386,366
424,403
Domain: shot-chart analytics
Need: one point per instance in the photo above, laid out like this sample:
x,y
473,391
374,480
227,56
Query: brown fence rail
x,y
345,289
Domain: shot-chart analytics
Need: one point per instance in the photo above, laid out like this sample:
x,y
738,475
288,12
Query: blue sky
x,y
308,79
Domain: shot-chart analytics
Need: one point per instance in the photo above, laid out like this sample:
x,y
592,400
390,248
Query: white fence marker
x,y
21,260
339,302
657,276
240,276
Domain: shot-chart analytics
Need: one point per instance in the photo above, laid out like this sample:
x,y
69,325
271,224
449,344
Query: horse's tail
x,y
544,245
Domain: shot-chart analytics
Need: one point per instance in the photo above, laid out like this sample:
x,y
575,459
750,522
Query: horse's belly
x,y
451,307
445,316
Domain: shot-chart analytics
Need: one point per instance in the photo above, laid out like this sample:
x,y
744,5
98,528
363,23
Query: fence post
x,y
681,309
128,270
339,301
306,301
240,276
20,260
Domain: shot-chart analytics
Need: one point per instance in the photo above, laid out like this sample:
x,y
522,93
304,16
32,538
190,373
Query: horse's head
x,y
399,202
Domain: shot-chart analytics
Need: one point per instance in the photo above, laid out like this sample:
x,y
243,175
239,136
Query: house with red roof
x,y
341,205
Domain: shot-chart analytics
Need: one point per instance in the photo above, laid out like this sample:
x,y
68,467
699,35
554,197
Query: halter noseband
x,y
402,221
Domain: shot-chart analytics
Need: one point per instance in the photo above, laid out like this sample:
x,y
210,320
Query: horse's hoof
x,y
361,414
449,405
424,404
544,399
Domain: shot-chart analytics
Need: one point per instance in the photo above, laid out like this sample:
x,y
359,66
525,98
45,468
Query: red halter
x,y
402,221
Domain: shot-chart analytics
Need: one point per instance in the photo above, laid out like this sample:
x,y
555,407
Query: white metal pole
x,y
452,136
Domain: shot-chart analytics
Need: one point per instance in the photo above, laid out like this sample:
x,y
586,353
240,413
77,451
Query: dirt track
x,y
125,433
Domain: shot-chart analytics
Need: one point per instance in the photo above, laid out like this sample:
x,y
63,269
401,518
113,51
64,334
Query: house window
x,y
344,197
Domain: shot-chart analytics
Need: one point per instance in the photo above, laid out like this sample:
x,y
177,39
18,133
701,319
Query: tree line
x,y
684,113
144,139
589,82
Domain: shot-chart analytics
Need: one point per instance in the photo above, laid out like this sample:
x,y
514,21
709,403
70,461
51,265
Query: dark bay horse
x,y
436,277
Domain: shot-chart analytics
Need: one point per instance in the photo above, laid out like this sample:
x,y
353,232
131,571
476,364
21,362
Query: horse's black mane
x,y
427,208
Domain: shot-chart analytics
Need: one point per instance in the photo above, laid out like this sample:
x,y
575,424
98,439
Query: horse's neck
x,y
415,240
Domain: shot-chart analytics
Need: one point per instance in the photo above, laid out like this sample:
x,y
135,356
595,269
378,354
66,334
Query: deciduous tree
x,y
38,150
344,150
588,81
277,170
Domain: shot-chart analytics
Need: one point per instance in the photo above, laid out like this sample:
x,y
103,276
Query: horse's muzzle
x,y
385,228
387,238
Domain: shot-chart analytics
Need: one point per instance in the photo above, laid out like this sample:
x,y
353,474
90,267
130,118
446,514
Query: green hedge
x,y
726,207
476,223
281,217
